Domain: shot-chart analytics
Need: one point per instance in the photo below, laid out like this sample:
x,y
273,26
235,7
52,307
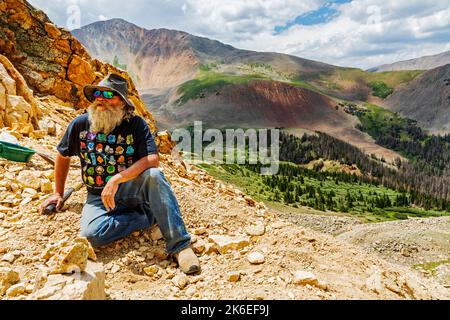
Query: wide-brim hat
x,y
112,82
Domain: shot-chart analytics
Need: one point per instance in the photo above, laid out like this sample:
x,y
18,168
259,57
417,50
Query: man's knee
x,y
94,236
153,174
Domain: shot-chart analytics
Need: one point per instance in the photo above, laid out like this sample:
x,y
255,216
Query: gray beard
x,y
104,121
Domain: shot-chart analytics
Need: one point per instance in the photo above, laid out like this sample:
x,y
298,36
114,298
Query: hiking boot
x,y
188,261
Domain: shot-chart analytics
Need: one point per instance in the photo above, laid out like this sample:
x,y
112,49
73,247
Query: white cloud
x,y
367,33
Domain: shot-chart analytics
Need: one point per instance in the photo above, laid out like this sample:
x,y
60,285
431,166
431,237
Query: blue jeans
x,y
140,203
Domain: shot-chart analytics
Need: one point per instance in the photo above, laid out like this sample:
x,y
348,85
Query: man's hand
x,y
55,199
108,194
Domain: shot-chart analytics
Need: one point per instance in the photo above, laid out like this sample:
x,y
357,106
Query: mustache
x,y
104,121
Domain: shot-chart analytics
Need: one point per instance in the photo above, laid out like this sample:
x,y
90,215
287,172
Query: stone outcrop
x,y
18,107
50,59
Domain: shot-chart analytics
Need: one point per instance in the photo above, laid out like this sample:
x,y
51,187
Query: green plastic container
x,y
15,152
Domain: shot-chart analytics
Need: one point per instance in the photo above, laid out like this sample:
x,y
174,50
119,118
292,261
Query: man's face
x,y
115,102
105,114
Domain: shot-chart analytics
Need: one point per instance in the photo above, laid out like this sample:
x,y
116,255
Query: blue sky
x,y
358,33
323,14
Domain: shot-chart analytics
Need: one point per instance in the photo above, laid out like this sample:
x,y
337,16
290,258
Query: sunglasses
x,y
105,94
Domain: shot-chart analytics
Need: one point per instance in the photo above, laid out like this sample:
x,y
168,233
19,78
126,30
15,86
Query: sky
x,y
358,33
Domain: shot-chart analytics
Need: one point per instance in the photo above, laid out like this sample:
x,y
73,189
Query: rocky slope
x,y
422,63
426,99
247,251
50,59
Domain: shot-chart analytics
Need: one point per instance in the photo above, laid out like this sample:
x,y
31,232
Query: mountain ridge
x,y
421,63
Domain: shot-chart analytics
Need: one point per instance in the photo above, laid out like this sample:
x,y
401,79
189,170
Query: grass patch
x,y
208,82
380,89
431,266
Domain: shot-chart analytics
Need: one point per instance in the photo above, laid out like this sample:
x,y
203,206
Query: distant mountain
x,y
426,99
422,63
183,78
162,58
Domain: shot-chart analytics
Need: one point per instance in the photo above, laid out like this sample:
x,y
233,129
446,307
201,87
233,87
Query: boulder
x,y
69,256
8,278
87,285
164,142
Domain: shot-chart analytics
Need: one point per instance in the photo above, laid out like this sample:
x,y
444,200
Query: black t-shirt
x,y
103,156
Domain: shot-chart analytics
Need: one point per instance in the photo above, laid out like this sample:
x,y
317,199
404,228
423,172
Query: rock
x,y
200,231
160,253
151,270
115,268
80,71
255,230
155,234
199,246
181,281
46,186
191,291
69,256
250,201
255,257
16,290
9,257
223,244
89,285
29,179
8,278
234,276
305,278
30,193
374,282
52,30
165,142
48,125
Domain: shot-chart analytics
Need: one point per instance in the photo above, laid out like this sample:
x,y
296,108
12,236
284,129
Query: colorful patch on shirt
x,y
83,135
93,159
111,169
130,161
130,150
100,159
111,139
91,146
91,181
108,178
112,161
99,181
119,150
121,159
130,139
82,145
109,150
90,171
99,148
120,139
101,137
91,135
100,170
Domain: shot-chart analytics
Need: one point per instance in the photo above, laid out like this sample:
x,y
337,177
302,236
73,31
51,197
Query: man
x,y
126,190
